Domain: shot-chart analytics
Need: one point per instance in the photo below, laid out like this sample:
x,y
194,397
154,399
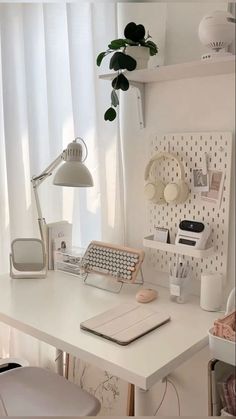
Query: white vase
x,y
140,54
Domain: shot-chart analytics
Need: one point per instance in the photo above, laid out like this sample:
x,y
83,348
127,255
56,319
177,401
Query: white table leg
x,y
143,403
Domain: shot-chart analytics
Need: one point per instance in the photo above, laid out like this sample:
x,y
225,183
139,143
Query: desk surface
x,y
52,309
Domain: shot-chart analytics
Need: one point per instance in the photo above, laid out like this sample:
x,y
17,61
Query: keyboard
x,y
122,263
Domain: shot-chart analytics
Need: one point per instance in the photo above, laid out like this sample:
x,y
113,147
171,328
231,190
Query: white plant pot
x,y
140,54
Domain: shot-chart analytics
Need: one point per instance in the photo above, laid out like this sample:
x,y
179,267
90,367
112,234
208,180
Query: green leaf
x,y
153,51
151,44
110,114
134,32
117,44
132,43
121,61
143,43
100,58
152,47
120,82
117,61
114,98
130,62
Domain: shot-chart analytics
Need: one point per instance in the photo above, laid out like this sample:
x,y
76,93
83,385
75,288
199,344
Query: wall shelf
x,y
192,69
138,78
177,248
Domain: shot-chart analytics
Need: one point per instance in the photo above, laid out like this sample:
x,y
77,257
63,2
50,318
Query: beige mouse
x,y
146,295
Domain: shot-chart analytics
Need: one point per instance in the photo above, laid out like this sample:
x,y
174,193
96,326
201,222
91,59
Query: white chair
x,y
34,391
12,362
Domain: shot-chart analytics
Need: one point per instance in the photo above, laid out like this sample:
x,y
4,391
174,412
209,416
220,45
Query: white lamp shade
x,y
73,173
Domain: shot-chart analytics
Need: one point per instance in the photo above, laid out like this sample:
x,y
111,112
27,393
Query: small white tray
x,y
181,249
222,349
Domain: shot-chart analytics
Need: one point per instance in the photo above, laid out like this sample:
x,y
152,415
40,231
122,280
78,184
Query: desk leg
x,y
130,401
59,362
142,402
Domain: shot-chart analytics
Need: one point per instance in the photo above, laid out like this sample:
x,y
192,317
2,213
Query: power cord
x,y
167,380
2,404
176,392
162,399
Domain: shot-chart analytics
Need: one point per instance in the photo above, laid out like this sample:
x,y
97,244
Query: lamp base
x,y
214,56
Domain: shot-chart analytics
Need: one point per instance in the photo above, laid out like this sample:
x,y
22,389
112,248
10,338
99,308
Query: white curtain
x,y
49,94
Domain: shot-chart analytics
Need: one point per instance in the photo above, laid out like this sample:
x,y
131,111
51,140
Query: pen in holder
x,y
179,282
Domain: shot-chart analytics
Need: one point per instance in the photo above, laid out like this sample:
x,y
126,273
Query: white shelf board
x,y
225,65
179,249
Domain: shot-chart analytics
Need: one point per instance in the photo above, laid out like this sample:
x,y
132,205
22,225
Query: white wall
x,y
172,25
200,104
182,42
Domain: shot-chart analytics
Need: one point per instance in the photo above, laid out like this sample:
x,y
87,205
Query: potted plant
x,y
128,53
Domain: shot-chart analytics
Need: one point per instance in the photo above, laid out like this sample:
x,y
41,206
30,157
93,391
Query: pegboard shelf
x,y
190,147
188,70
177,248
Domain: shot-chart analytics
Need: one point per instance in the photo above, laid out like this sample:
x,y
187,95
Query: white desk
x,y
51,310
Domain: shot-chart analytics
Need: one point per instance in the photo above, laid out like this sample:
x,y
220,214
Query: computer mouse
x,y
146,295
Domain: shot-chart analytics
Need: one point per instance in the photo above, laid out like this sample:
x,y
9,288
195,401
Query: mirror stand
x,y
28,258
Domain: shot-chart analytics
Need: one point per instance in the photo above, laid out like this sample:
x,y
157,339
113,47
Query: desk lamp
x,y
71,173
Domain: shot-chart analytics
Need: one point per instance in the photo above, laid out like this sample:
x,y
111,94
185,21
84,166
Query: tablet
x,y
125,323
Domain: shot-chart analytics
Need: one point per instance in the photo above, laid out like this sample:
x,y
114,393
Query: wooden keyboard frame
x,y
137,252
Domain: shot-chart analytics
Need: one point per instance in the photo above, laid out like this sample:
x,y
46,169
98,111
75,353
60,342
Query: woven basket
x,y
225,327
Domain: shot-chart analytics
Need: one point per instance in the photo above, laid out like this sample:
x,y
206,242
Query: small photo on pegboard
x,y
208,204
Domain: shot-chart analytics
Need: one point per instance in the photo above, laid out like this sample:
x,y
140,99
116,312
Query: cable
x,y
3,406
167,380
176,392
162,400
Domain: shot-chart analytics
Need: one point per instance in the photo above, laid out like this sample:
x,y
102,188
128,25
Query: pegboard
x,y
190,148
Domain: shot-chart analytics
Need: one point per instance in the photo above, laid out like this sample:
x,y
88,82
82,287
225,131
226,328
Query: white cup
x,y
211,291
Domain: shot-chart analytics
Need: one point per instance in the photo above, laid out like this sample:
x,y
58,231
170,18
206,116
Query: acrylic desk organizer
x,y
69,260
102,265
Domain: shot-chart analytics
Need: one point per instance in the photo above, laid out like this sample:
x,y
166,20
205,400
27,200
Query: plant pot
x,y
140,54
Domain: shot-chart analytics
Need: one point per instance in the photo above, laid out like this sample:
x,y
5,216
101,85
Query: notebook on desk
x,y
125,323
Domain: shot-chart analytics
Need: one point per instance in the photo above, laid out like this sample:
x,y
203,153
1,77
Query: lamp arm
x,y
36,181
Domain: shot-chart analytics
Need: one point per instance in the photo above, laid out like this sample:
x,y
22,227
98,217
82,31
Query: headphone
x,y
159,193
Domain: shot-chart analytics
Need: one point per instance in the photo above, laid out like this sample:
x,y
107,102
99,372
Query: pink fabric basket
x,y
225,327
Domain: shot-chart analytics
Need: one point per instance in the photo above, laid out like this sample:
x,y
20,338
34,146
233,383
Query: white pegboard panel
x,y
190,148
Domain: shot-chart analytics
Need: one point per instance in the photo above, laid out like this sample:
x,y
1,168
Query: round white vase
x,y
140,54
211,291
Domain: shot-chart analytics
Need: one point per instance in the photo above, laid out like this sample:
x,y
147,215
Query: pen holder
x,y
179,289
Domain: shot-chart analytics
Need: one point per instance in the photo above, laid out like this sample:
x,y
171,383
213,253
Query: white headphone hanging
x,y
159,193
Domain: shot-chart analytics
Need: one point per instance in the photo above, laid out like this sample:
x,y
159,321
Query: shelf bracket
x,y
139,89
